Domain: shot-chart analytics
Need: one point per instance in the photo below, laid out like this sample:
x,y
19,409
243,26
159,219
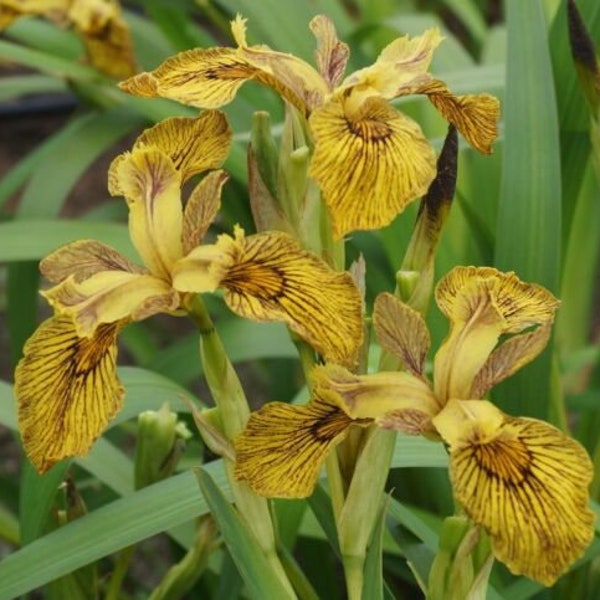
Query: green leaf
x,y
117,525
373,572
32,239
257,572
529,215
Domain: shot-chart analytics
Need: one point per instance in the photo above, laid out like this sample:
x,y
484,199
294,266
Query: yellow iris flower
x,y
104,33
66,384
521,479
369,159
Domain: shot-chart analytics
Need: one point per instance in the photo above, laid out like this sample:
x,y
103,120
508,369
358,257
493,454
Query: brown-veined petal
x,y
331,54
463,292
201,209
282,448
211,78
105,35
193,144
401,331
369,160
109,297
401,62
67,390
268,277
394,400
151,185
84,258
525,482
509,357
474,115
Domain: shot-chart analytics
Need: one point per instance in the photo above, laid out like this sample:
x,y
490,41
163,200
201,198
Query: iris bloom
x,y
521,479
369,159
98,22
66,384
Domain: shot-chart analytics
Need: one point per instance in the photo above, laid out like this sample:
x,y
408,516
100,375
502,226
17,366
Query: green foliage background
x,y
532,207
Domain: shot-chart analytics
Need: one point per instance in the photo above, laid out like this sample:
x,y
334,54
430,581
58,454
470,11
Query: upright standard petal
x,y
268,277
331,54
402,331
67,390
109,297
369,160
525,482
151,185
282,449
194,144
201,209
508,358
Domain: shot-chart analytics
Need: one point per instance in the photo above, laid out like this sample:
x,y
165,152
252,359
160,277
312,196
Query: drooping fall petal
x,y
393,400
211,78
201,209
369,160
151,185
474,115
82,259
193,144
111,296
520,304
268,277
281,451
67,390
525,482
402,331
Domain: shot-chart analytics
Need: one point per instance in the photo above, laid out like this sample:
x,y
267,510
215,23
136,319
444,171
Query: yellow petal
x,y
281,451
111,296
151,185
193,144
211,78
273,279
461,292
525,482
394,400
201,209
508,358
474,115
370,162
401,331
67,390
205,267
13,9
331,54
401,62
268,277
82,259
483,303
105,35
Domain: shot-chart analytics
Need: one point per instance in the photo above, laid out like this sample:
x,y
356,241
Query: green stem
x,y
118,575
353,571
232,404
